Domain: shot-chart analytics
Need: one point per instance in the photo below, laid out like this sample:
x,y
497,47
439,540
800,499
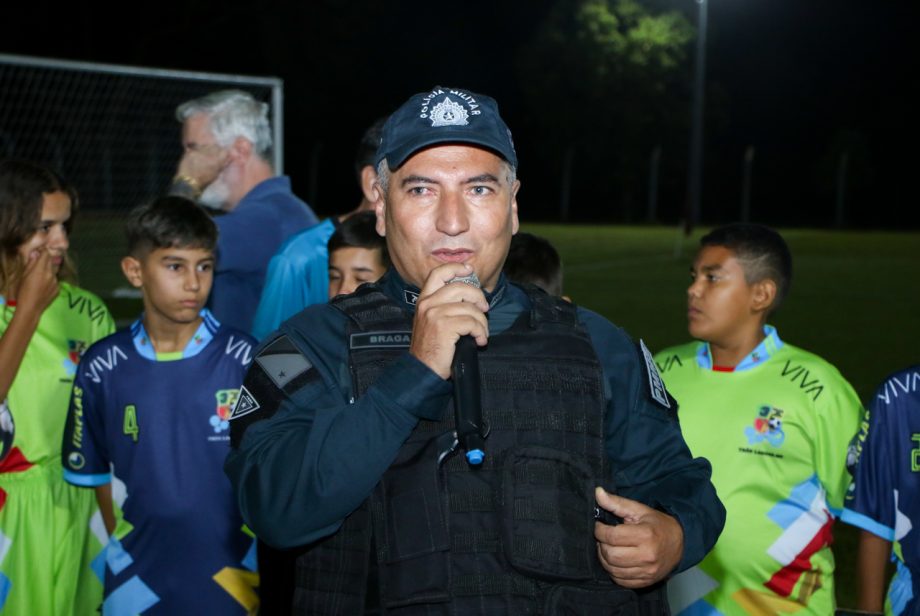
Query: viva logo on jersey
x,y
226,400
768,426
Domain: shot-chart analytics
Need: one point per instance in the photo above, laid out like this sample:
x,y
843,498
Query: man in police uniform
x,y
342,437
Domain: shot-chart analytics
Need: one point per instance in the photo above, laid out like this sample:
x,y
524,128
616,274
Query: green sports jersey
x,y
40,393
776,431
40,514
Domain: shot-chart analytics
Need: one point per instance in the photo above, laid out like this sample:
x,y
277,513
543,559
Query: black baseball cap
x,y
444,115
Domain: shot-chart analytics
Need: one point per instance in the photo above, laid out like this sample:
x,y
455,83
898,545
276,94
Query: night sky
x,y
799,80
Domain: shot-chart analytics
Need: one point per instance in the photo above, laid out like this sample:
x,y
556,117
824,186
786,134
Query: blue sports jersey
x,y
156,428
884,498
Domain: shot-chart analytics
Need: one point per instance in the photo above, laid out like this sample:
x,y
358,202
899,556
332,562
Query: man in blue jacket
x,y
343,443
226,165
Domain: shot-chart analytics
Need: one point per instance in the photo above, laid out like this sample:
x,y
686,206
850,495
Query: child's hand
x,y
39,284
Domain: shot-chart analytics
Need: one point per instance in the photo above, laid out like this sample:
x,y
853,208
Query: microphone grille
x,y
471,279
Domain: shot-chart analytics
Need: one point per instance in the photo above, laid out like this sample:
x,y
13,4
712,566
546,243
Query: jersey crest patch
x,y
226,400
75,350
768,426
245,404
655,385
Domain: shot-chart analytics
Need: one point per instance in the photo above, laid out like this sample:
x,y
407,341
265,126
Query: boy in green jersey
x,y
773,420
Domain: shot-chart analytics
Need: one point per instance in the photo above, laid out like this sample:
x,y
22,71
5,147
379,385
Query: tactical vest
x,y
513,536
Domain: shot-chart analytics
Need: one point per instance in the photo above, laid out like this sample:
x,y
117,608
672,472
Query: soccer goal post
x,y
112,132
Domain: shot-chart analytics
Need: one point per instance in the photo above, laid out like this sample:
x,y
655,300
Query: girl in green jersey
x,y
45,324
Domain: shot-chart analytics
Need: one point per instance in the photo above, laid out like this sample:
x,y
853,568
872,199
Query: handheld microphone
x,y
464,372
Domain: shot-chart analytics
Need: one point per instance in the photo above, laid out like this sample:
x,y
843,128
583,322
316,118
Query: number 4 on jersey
x,y
915,454
130,423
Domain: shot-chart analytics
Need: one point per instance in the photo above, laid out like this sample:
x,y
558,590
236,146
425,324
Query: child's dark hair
x,y
367,147
761,251
23,186
533,260
169,222
360,231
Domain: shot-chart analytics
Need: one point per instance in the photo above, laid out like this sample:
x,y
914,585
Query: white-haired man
x,y
226,164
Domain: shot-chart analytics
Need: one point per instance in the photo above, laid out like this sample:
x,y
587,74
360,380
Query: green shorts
x,y
46,546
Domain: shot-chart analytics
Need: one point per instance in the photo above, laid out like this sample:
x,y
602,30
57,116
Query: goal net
x,y
112,132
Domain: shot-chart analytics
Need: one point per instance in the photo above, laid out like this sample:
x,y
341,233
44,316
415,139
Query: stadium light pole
x,y
695,168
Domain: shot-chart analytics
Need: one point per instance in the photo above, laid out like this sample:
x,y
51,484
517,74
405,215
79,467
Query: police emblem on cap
x,y
449,113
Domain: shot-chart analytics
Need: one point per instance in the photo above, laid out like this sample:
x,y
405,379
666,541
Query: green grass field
x,y
854,299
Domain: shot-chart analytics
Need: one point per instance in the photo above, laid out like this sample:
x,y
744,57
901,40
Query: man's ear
x,y
380,208
368,179
131,268
515,225
763,295
240,150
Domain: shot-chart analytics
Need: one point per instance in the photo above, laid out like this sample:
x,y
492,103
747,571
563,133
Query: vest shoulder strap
x,y
548,309
370,307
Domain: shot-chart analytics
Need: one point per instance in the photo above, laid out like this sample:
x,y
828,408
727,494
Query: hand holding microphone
x,y
450,324
443,314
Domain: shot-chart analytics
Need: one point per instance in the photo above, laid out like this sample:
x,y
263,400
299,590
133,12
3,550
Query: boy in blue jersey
x,y
883,498
147,428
